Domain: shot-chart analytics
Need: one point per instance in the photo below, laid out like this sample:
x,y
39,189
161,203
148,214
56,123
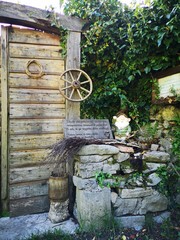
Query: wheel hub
x,y
76,84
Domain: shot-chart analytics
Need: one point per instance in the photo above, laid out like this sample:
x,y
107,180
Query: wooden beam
x,y
4,131
73,61
36,18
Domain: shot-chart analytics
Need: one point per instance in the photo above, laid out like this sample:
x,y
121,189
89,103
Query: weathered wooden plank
x,y
4,133
32,36
37,111
17,80
21,50
29,205
21,126
73,61
33,141
27,190
27,158
48,66
35,96
36,18
27,174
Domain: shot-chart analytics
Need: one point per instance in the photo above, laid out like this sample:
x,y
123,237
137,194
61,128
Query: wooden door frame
x,y
4,118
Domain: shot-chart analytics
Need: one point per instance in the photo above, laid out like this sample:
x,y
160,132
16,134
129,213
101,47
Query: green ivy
x,y
101,177
122,48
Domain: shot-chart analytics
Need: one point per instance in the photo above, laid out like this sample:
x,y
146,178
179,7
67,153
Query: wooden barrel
x,y
58,188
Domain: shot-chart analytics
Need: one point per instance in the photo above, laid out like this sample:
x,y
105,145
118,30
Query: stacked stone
x,y
129,202
93,203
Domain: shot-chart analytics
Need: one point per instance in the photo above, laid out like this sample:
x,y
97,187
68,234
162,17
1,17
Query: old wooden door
x,y
32,115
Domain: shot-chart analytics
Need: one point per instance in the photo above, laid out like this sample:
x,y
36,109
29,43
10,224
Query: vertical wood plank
x,y
72,108
73,61
4,137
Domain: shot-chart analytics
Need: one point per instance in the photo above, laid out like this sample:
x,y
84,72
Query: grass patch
x,y
55,235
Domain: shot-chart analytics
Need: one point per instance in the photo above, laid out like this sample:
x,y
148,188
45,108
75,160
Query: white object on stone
x,y
122,127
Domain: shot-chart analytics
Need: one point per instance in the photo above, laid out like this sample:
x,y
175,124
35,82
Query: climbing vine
x,y
122,48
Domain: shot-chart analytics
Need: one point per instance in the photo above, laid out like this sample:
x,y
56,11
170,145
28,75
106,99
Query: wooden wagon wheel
x,y
78,85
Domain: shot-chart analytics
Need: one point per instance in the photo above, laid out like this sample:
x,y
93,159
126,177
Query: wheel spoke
x,y
84,82
71,93
66,87
72,78
85,90
79,94
79,76
65,80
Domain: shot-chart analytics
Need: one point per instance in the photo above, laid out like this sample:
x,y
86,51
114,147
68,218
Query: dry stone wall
x,y
127,199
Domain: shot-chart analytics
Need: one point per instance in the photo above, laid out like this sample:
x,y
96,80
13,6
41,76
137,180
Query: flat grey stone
x,y
152,167
156,156
166,144
93,158
136,222
111,168
136,192
17,228
121,157
153,179
154,147
124,206
95,149
154,203
162,217
84,183
87,170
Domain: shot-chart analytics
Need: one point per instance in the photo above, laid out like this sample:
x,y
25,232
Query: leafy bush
x,y
122,48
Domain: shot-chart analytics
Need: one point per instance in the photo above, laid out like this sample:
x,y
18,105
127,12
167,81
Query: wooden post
x,y
72,108
73,61
4,114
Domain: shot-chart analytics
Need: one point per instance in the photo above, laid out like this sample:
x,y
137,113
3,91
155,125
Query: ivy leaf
x,y
131,78
123,46
161,36
147,69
